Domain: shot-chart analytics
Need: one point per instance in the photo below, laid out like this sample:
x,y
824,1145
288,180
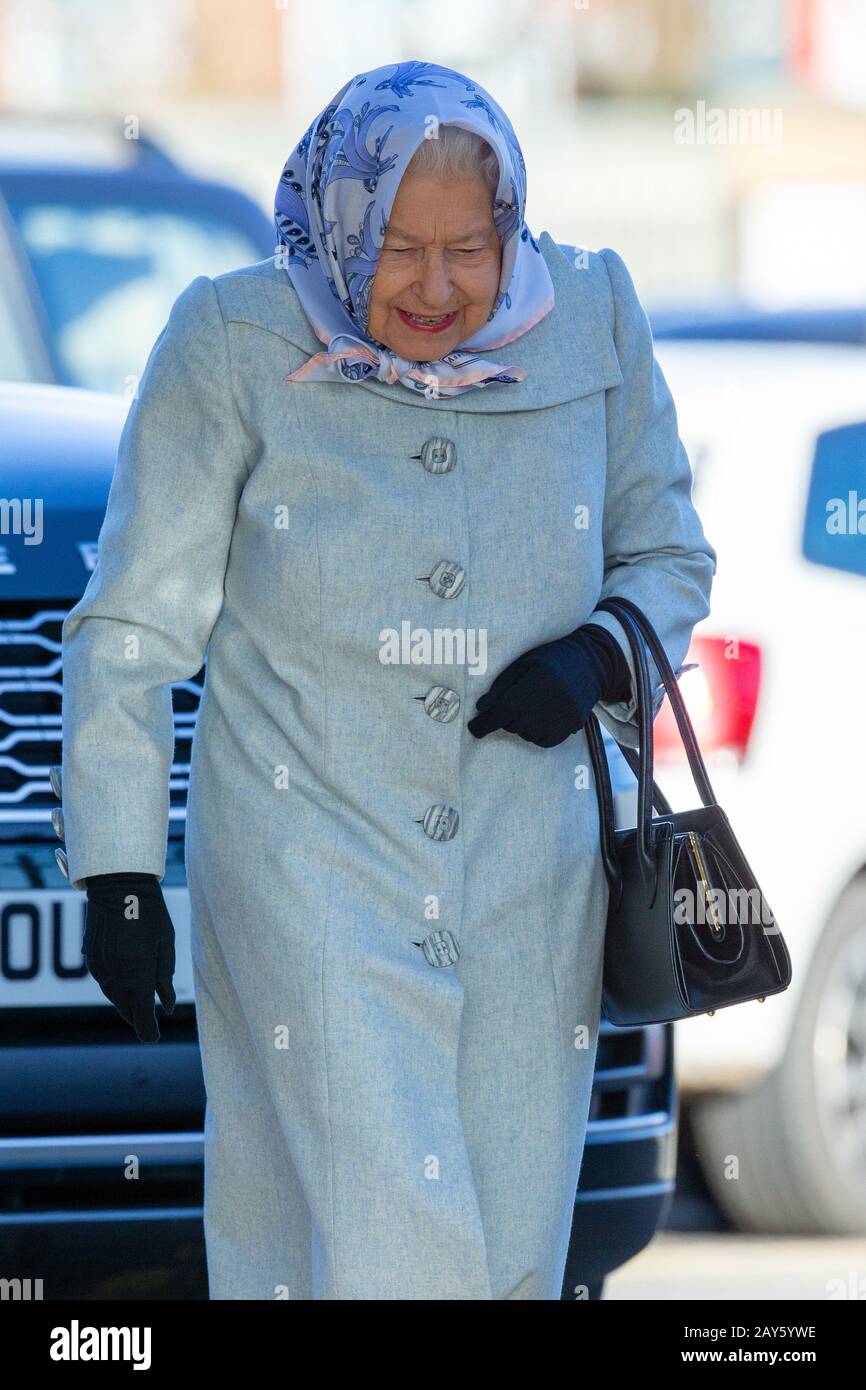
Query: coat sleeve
x,y
145,618
655,550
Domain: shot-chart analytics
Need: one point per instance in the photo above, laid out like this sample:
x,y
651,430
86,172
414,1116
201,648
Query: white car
x,y
777,1090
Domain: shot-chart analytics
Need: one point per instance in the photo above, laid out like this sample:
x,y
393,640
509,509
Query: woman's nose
x,y
433,286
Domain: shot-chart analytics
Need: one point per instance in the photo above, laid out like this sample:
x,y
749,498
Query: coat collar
x,y
570,353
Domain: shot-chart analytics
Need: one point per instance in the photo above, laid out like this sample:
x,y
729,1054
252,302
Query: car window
x,y
108,276
23,354
14,362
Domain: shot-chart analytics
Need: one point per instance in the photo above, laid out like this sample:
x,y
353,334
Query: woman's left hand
x,y
549,692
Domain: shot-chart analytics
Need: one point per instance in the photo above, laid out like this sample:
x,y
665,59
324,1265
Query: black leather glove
x,y
549,692
130,957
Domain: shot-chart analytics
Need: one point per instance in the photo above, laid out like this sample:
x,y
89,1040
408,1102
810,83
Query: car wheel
x,y
800,1136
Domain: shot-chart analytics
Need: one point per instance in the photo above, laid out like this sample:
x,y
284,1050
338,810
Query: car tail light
x,y
721,696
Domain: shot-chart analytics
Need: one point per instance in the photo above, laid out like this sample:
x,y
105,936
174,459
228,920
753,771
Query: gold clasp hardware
x,y
710,1013
761,998
715,924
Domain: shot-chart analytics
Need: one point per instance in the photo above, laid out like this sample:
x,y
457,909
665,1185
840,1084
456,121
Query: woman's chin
x,y
426,348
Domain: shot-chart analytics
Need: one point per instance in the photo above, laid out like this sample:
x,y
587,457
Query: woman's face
x,y
441,257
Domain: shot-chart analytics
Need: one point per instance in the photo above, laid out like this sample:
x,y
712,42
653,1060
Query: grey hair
x,y
456,153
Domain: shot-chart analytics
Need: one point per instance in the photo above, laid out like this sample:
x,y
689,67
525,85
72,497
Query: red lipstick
x,y
427,327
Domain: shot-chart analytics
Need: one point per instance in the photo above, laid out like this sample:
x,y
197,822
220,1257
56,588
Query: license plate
x,y
40,949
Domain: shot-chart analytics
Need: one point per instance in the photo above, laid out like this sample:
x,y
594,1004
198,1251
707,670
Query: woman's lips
x,y
427,327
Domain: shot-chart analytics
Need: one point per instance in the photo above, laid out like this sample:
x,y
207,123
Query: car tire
x,y
800,1136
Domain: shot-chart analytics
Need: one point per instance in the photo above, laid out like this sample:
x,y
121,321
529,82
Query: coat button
x,y
447,579
57,821
440,822
440,948
441,703
438,455
54,774
60,856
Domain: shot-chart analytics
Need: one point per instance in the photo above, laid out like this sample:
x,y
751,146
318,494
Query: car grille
x,y
31,692
632,1073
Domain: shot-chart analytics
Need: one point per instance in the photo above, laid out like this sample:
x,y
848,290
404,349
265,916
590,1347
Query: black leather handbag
x,y
688,928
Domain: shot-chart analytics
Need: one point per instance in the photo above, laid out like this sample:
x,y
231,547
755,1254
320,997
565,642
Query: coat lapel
x,y
569,354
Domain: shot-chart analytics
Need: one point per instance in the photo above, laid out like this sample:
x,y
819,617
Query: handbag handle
x,y
607,833
638,629
660,801
604,791
643,694
616,606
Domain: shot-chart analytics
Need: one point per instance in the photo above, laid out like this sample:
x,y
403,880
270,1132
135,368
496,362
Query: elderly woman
x,y
383,479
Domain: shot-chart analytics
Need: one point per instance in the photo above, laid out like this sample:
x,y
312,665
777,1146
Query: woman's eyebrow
x,y
482,230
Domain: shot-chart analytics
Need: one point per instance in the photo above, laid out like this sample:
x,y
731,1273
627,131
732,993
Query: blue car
x,y
92,256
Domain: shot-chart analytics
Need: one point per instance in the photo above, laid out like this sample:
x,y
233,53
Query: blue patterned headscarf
x,y
331,212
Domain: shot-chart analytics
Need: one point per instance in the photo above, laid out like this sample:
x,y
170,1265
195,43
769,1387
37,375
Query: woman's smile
x,y
427,325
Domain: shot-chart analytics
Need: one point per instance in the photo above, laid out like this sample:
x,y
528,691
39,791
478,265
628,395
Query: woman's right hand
x,y
128,947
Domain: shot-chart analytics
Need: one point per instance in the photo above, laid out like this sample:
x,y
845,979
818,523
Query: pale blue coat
x,y
385,1119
